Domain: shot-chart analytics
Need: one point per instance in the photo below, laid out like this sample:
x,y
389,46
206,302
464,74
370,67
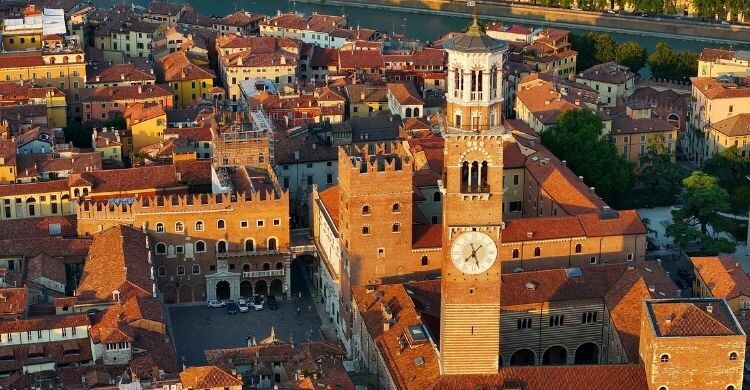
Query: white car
x,y
215,303
244,308
257,302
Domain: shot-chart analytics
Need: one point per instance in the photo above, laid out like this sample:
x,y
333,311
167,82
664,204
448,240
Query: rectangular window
x,y
38,334
592,260
243,224
516,179
261,223
73,331
381,252
179,249
277,222
329,178
64,332
524,323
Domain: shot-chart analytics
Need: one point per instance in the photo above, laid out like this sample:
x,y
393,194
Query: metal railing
x,y
229,255
263,274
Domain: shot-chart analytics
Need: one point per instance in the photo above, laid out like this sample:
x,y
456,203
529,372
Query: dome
x,y
475,41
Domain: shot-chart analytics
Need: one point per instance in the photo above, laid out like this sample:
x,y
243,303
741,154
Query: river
x,y
419,26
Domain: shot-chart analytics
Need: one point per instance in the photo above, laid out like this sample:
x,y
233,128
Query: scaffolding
x,y
245,140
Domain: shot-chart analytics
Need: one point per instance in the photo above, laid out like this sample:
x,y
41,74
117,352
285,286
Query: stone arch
x,y
261,287
221,246
277,287
246,288
523,357
199,292
587,353
223,290
186,294
555,356
170,294
249,245
273,244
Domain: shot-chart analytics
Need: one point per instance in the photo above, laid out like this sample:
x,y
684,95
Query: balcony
x,y
476,96
235,254
263,274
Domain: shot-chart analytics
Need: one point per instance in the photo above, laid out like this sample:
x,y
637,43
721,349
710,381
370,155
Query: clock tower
x,y
472,186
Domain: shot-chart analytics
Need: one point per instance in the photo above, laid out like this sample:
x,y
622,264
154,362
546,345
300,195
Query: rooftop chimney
x,y
709,309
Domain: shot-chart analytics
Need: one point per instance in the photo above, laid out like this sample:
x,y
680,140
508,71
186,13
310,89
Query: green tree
x,y
662,61
731,168
577,138
631,54
605,47
660,177
80,133
698,221
584,45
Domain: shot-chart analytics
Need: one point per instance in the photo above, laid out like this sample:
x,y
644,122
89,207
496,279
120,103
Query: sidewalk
x,y
327,329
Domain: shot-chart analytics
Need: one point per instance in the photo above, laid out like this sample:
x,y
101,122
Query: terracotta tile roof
x,y
130,92
330,94
78,352
140,307
288,21
34,188
177,67
194,172
612,223
723,276
427,236
712,55
734,126
165,8
241,19
247,58
430,57
353,34
546,102
44,323
601,377
53,246
7,153
324,57
512,156
360,59
609,72
359,93
13,301
625,298
556,285
689,318
302,148
405,93
714,89
44,266
330,197
207,377
118,260
131,179
542,228
195,134
20,60
403,363
142,112
627,125
120,72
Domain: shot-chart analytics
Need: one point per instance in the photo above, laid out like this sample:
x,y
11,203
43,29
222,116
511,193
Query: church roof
x,y
475,41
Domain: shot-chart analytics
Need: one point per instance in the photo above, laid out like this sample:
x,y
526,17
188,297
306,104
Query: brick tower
x,y
472,207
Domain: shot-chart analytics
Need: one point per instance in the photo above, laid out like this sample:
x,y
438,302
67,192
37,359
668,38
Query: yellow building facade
x,y
189,81
146,123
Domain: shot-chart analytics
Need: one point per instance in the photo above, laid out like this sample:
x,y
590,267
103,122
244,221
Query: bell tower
x,y
472,187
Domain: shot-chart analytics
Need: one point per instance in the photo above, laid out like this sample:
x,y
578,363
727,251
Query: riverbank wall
x,y
520,13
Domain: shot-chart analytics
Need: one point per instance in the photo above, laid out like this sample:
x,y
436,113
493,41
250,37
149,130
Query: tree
x,y
631,54
80,133
577,138
698,221
605,47
667,64
660,177
585,48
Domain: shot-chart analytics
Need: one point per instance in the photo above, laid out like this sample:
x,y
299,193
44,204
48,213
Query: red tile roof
x,y
689,318
13,301
38,227
405,93
131,179
330,197
723,276
130,92
734,126
44,323
712,55
177,67
208,377
119,73
714,89
542,228
427,236
118,260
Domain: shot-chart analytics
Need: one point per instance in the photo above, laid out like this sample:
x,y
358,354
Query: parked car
x,y
257,302
215,303
232,308
273,304
242,303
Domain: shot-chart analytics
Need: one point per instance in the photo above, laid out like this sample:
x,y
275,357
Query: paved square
x,y
197,328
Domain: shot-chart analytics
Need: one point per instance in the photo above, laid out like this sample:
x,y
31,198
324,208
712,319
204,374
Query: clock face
x,y
474,252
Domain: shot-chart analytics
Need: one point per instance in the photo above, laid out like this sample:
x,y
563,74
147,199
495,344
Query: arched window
x,y
730,387
162,271
249,245
436,196
220,224
77,192
396,207
279,265
271,244
474,179
425,261
537,251
663,388
161,248
579,247
199,226
516,253
416,112
159,227
733,356
180,270
196,269
483,176
246,268
664,358
407,113
221,246
395,228
200,246
366,210
465,175
266,266
179,227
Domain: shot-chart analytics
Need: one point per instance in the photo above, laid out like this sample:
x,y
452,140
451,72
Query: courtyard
x,y
198,328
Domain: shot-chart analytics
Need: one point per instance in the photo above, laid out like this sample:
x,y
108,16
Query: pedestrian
x,y
298,311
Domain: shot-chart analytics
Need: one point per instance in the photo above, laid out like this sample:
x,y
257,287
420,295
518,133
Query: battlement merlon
x,y
104,210
375,158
